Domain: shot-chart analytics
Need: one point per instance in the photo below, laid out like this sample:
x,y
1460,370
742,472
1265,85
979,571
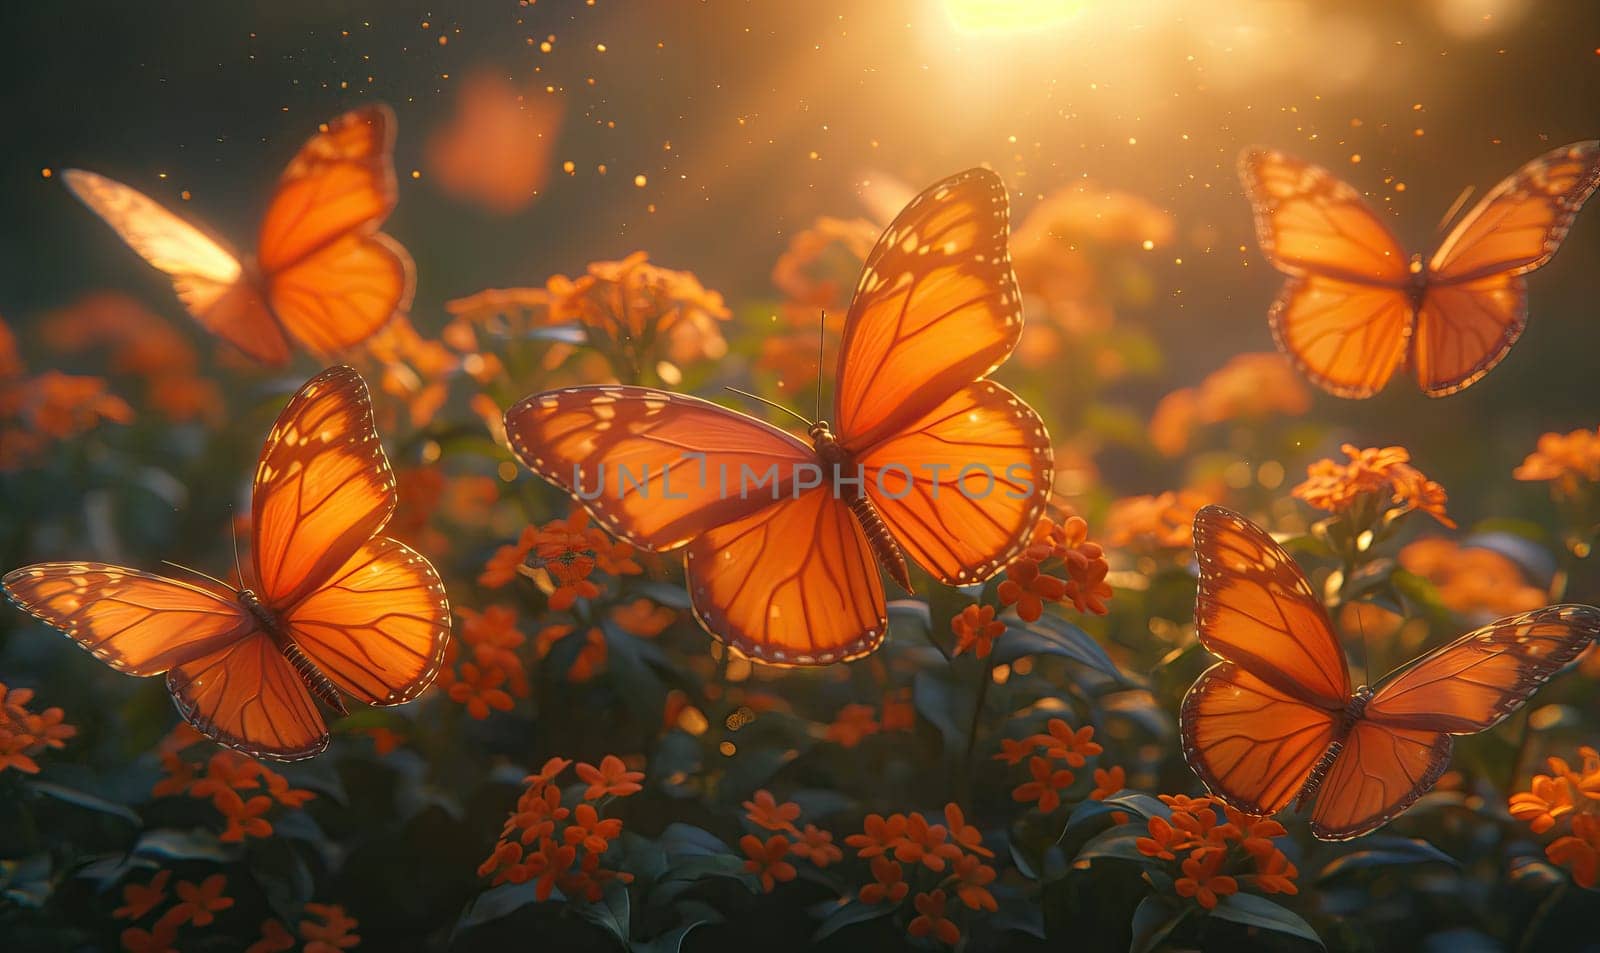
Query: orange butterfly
x,y
323,275
1356,305
339,609
1276,720
784,569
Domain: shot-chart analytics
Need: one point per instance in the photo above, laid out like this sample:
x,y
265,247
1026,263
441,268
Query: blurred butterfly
x,y
1277,721
784,571
336,607
1356,306
323,276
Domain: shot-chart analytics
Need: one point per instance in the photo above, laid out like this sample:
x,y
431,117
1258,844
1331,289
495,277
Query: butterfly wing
x,y
1255,725
655,468
958,467
1401,745
794,583
380,627
936,308
329,275
135,622
1475,307
963,487
209,279
370,612
782,572
1344,317
246,695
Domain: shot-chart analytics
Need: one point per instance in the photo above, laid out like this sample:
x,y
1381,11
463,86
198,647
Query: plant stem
x,y
987,670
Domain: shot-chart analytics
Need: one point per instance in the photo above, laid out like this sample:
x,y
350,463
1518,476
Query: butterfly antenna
x,y
772,404
822,348
238,570
1455,208
202,575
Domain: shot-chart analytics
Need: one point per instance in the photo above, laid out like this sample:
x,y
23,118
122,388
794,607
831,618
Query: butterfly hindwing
x,y
246,695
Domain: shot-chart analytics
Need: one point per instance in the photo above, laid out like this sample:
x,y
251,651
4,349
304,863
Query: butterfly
x,y
784,570
337,608
1356,306
1277,720
323,276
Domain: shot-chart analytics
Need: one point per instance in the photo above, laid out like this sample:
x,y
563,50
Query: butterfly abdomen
x,y
882,541
317,683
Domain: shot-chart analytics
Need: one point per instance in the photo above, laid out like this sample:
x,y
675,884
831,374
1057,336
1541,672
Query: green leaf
x,y
1253,911
1130,802
1053,635
945,703
668,942
849,913
686,840
611,913
1384,851
1153,922
665,593
183,845
86,800
495,903
1118,843
913,612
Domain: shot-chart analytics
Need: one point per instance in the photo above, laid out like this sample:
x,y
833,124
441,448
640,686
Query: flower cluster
x,y
25,733
1155,523
225,775
561,556
775,837
495,671
1565,461
494,151
1216,850
39,410
1373,477
1475,582
1570,800
557,845
197,905
854,722
815,275
1250,387
1028,587
1051,758
942,861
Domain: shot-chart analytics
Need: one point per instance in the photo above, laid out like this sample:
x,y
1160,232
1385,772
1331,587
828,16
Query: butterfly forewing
x,y
655,468
135,622
936,308
323,487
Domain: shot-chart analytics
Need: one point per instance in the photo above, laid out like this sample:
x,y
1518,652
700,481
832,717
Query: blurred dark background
x,y
747,120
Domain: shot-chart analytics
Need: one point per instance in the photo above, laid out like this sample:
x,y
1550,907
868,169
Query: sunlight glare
x,y
1011,16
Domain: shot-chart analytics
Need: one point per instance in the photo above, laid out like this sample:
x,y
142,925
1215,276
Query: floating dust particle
x,y
639,180
569,167
46,172
1147,244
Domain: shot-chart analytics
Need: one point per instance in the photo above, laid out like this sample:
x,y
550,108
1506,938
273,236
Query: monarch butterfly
x,y
323,275
785,572
1277,721
339,608
1355,306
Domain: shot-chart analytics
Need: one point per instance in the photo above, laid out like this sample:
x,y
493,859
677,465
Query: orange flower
x,y
763,810
140,899
495,151
888,882
1370,474
161,938
1012,750
976,629
334,933
589,831
504,565
1254,834
972,878
853,723
1579,852
245,817
925,843
1108,781
201,902
275,938
879,834
816,845
1153,523
1202,881
1045,787
898,714
25,733
1164,839
591,659
1274,873
480,690
766,860
643,618
1063,743
278,787
1251,387
931,921
384,740
1563,792
1566,461
611,779
969,838
1028,589
1472,581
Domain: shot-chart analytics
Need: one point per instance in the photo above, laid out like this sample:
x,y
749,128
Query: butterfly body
x,y
924,458
1276,721
336,608
1357,307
